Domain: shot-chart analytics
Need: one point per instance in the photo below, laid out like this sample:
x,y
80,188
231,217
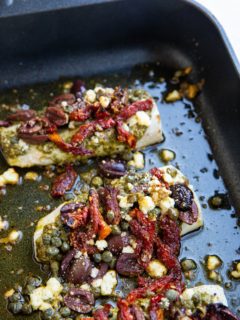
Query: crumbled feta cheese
x,y
90,96
146,204
10,176
123,203
156,269
132,121
94,272
86,286
125,127
96,283
101,244
109,282
104,101
138,160
42,298
143,118
127,249
166,204
78,254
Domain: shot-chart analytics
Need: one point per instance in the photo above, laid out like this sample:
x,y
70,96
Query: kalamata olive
x,y
71,207
56,115
219,312
78,88
22,115
67,261
191,215
79,300
137,312
102,270
116,243
79,270
33,139
182,196
127,265
67,98
112,168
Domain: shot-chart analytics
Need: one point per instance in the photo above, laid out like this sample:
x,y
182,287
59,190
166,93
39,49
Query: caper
x,y
15,307
97,257
34,281
172,295
116,230
52,251
69,196
112,263
46,239
59,257
57,316
56,242
47,314
127,156
65,312
110,215
97,181
27,308
188,264
124,225
65,288
107,256
216,201
196,298
16,297
65,247
55,232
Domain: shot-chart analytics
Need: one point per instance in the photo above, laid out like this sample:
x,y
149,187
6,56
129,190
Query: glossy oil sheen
x,y
220,234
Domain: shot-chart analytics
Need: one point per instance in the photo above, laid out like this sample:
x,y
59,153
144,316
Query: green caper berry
x,y
65,247
116,230
27,308
15,297
52,251
124,225
34,281
172,294
15,307
97,181
56,242
107,256
112,262
65,311
46,239
110,215
188,264
97,257
47,314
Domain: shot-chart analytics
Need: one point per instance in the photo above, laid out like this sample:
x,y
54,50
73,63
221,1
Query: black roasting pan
x,y
41,41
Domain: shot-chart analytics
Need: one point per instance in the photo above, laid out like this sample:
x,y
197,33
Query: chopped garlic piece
x,y
146,204
123,202
156,269
138,160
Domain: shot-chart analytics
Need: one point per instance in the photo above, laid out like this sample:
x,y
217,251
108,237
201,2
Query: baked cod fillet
x,y
99,122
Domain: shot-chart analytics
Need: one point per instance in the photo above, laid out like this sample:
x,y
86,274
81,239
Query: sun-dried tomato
x,y
82,113
125,136
99,226
102,313
145,231
74,215
64,182
132,109
191,215
67,147
80,240
124,312
109,198
170,233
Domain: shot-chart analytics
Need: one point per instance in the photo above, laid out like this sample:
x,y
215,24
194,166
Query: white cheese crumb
x,y
138,160
146,204
104,101
90,96
166,204
86,286
94,272
96,283
54,285
167,178
156,269
123,203
109,282
101,244
127,249
143,118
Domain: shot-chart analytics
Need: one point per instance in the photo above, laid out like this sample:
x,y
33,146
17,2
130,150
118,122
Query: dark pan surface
x,y
114,36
